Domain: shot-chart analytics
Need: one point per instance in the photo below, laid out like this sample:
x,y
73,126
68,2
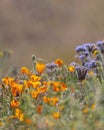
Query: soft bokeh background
x,y
48,28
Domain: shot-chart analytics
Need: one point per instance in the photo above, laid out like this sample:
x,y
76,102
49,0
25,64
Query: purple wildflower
x,y
89,46
91,64
80,48
100,45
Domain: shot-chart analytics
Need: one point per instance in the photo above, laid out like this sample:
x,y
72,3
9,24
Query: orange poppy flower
x,y
34,94
14,103
54,100
16,89
40,67
5,81
42,89
36,84
35,78
63,86
71,69
24,70
46,99
56,86
56,115
59,62
19,115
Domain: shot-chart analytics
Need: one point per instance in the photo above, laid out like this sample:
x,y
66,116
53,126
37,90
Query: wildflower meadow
x,y
54,95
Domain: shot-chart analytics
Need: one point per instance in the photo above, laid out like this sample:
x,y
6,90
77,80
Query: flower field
x,y
56,96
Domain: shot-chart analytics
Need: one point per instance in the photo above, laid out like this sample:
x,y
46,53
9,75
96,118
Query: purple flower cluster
x,y
86,53
100,45
51,67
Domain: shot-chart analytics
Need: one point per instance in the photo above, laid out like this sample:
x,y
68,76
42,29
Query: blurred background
x,y
49,29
